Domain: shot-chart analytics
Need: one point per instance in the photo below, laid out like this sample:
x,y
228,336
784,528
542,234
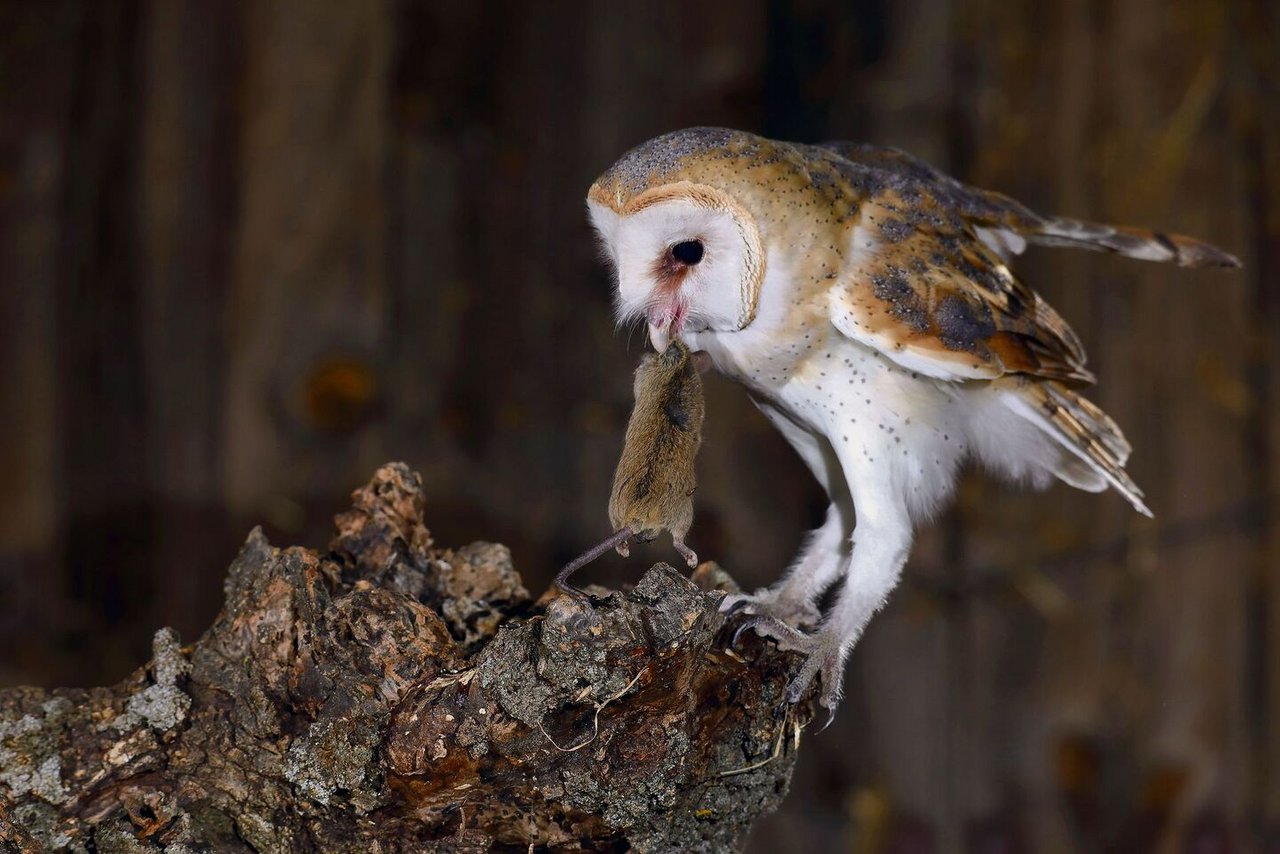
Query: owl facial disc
x,y
687,257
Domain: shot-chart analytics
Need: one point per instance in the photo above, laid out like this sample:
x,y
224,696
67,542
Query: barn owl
x,y
866,302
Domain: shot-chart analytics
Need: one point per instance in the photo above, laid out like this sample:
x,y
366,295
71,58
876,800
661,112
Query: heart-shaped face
x,y
686,256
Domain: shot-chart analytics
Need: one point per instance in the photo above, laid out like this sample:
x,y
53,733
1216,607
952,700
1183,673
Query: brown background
x,y
250,250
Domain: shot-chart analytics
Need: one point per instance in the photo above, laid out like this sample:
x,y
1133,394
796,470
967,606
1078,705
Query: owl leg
x,y
880,546
793,600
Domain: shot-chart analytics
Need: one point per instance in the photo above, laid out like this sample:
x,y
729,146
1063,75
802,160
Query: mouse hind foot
x,y
689,555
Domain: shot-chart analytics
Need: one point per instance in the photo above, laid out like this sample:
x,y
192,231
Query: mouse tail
x,y
619,537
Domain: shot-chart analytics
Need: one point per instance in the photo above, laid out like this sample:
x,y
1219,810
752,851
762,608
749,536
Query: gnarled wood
x,y
391,695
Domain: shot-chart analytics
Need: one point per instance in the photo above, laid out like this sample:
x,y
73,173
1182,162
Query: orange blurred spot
x,y
340,395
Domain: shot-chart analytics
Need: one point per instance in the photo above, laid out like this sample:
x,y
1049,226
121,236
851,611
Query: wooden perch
x,y
389,695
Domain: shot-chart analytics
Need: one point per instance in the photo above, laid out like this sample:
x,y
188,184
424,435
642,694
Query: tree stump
x,y
393,696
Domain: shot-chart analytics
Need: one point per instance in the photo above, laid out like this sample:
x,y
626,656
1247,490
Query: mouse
x,y
654,482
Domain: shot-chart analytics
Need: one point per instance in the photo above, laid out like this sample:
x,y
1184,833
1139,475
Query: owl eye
x,y
687,252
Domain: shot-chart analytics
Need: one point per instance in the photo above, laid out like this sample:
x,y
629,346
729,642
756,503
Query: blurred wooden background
x,y
250,250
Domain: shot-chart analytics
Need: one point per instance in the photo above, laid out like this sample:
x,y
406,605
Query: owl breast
x,y
840,398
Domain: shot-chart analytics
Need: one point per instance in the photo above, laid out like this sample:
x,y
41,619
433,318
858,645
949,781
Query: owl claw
x,y
823,655
786,637
831,717
770,603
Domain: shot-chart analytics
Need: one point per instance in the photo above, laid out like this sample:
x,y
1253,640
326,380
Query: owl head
x,y
680,233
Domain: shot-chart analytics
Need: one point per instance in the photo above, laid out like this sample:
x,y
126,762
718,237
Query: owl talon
x,y
785,636
823,655
770,603
831,717
826,658
737,633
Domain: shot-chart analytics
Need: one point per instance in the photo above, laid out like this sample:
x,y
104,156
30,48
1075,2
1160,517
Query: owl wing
x,y
928,281
1007,226
921,287
928,284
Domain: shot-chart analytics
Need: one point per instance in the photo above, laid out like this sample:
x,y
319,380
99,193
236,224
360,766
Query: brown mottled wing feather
x,y
922,288
929,286
1080,427
1010,225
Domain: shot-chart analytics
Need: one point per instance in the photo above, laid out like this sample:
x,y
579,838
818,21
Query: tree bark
x,y
389,695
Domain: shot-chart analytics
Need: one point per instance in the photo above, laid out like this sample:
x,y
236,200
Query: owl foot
x,y
787,638
826,658
823,652
769,602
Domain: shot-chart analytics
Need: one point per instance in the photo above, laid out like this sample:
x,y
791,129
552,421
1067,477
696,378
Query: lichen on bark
x,y
389,695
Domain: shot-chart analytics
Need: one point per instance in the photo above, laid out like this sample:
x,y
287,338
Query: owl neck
x,y
790,325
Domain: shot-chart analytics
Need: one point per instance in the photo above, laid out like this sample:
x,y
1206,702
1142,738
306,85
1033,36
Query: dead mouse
x,y
654,483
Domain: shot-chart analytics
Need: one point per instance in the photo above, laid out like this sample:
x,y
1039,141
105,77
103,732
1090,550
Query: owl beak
x,y
660,335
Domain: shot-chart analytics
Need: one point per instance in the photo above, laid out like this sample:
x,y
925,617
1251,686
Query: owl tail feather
x,y
1094,444
1133,242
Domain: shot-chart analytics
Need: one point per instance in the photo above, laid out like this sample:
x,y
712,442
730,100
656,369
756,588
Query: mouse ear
x,y
701,361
